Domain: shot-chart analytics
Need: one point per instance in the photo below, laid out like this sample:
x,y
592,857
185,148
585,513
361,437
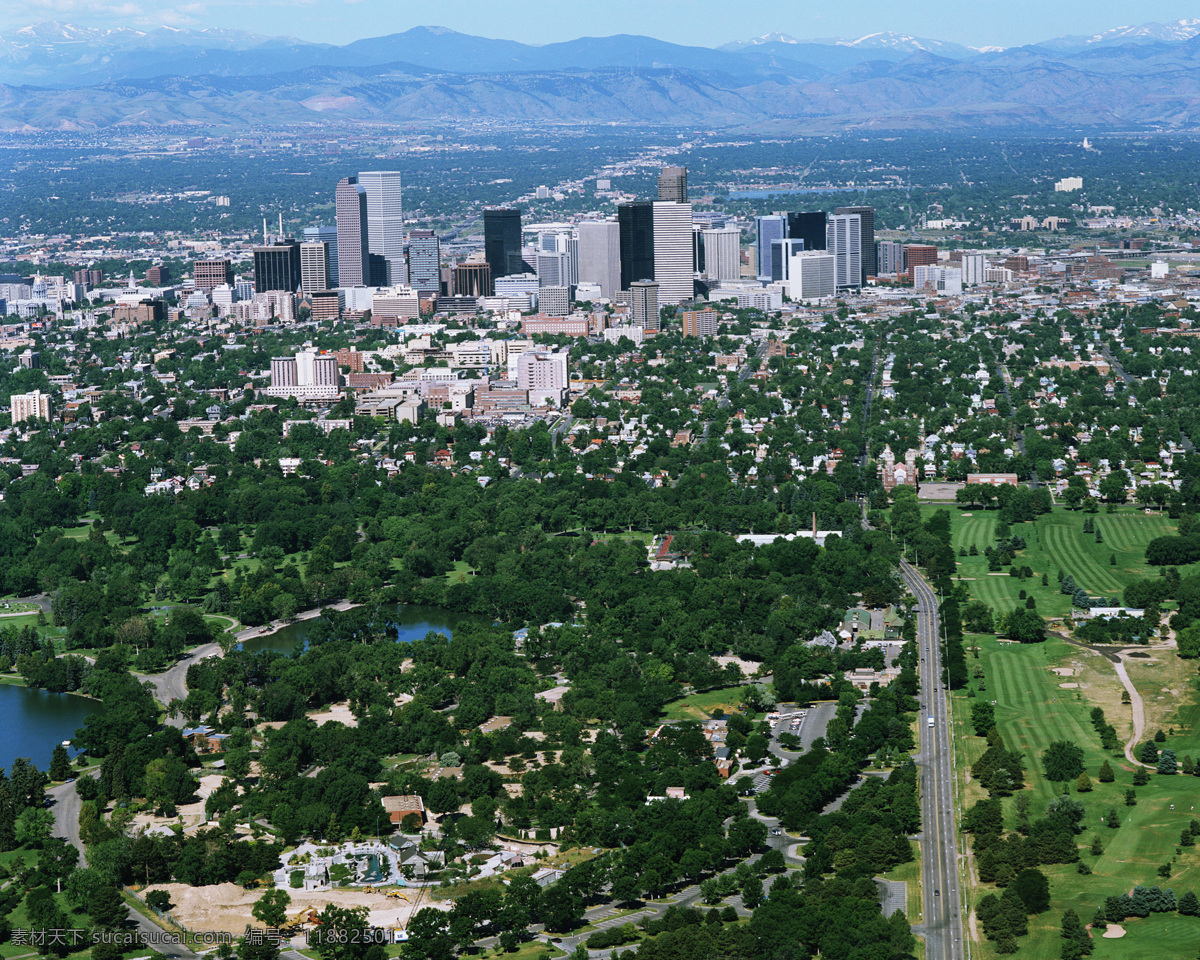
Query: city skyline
x,y
549,21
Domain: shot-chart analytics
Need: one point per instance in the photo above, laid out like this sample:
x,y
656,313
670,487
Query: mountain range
x,y
57,76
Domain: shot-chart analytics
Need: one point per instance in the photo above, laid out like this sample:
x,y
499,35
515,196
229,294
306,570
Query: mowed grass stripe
x,y
1077,561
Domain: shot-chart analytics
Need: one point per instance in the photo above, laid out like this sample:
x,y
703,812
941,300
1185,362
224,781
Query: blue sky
x,y
699,22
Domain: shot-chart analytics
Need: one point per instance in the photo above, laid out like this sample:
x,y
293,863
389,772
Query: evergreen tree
x,y
1106,773
1189,905
1141,777
60,764
1166,762
1083,784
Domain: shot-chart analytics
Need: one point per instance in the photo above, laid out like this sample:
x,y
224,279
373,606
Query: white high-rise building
x,y
937,279
722,253
385,220
673,252
600,255
314,267
554,269
812,274
973,266
843,238
544,375
26,405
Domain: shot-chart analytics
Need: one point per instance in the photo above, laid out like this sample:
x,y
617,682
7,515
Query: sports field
x,y
1056,541
1033,708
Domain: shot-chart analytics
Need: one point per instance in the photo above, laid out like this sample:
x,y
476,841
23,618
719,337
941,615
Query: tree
x,y
1189,905
106,908
1111,818
342,933
1166,762
160,900
60,764
1032,886
1148,753
1062,761
752,891
1083,784
271,908
1106,773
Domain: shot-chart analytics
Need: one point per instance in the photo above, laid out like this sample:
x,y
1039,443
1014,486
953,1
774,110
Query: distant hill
x,y
60,77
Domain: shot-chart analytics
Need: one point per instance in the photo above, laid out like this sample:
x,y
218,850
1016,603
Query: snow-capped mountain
x,y
1176,31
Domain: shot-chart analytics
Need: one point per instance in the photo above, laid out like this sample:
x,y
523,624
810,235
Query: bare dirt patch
x,y
335,711
1069,686
226,906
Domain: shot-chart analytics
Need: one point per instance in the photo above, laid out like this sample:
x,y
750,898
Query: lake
x,y
34,721
412,621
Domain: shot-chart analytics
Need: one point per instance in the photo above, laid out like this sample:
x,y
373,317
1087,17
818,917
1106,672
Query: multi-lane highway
x,y
942,922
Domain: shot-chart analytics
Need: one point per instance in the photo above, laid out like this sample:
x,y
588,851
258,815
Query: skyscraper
x,y
351,202
554,269
502,241
385,219
782,252
866,216
844,241
328,236
424,262
636,227
644,297
314,267
722,253
277,267
672,238
600,255
809,227
672,184
766,230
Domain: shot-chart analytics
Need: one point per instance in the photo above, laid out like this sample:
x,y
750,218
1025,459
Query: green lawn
x,y
1032,710
1056,541
700,706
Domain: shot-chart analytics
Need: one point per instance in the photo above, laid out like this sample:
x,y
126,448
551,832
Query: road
x,y
943,920
172,684
65,805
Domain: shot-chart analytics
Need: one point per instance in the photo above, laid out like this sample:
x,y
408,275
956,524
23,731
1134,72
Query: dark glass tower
x,y
277,267
809,227
636,223
502,241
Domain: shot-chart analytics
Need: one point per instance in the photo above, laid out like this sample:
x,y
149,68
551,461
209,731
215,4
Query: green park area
x,y
1055,542
701,706
1045,693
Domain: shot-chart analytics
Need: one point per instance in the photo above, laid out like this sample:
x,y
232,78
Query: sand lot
x,y
226,906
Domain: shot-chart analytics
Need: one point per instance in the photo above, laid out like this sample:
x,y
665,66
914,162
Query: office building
x,y
782,252
672,185
973,266
502,241
643,295
722,253
471,279
809,227
698,323
354,269
636,228
544,377
672,240
277,267
385,220
314,267
812,275
327,304
378,271
327,236
766,231
207,274
599,245
555,301
26,405
844,240
158,276
935,279
919,255
553,269
424,262
889,257
866,220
